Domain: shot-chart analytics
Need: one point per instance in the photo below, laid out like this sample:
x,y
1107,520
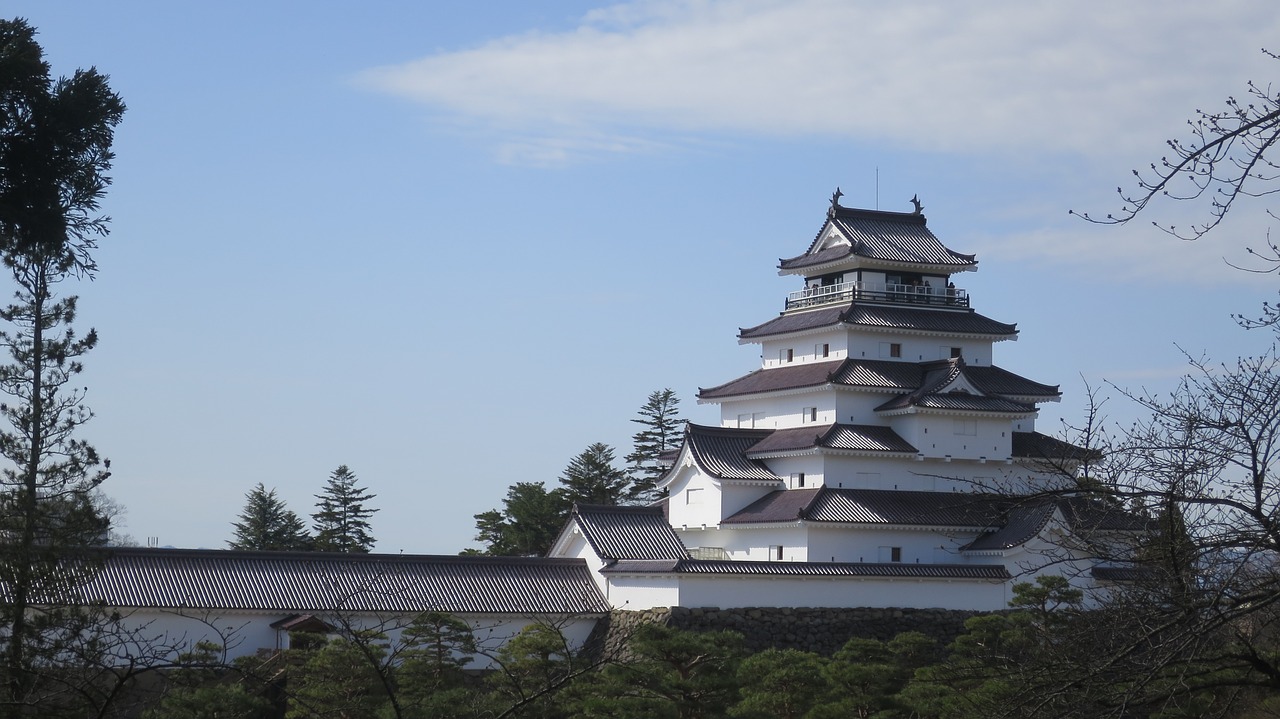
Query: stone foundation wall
x,y
809,629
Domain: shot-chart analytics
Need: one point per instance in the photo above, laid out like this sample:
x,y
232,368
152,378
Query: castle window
x,y
890,554
967,427
797,480
775,553
693,496
809,414
890,349
822,350
955,352
786,355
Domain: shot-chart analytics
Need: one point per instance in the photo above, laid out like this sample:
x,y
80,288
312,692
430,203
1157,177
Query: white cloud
x,y
1024,77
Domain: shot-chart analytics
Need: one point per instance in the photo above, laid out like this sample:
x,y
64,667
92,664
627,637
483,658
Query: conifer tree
x,y
267,524
341,519
591,477
55,150
661,433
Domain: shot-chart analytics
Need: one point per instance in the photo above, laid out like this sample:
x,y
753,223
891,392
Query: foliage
x,y
201,688
339,680
661,433
55,148
341,519
591,477
784,683
671,673
528,523
437,648
267,524
533,667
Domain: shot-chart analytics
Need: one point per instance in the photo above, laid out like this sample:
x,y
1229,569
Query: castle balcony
x,y
842,292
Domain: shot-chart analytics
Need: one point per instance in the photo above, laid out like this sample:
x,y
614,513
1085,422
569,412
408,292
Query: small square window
x,y
826,349
786,355
809,414
797,480
775,553
895,349
895,554
955,352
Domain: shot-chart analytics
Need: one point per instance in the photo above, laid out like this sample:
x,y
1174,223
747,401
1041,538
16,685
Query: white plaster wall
x,y
806,348
936,435
917,348
779,412
702,505
733,592
247,632
636,592
864,543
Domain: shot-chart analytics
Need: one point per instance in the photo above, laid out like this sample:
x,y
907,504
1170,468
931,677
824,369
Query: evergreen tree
x,y
661,434
591,477
527,524
266,523
55,150
341,519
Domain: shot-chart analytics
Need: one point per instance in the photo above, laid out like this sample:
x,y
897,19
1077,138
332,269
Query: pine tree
x,y
341,519
661,434
591,477
55,151
266,523
527,524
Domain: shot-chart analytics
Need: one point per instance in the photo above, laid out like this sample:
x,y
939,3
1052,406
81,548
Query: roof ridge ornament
x,y
835,202
915,200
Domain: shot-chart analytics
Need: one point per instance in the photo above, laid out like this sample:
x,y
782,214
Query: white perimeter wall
x,y
247,632
775,591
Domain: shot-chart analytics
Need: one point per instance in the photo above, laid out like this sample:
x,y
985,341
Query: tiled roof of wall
x,y
326,582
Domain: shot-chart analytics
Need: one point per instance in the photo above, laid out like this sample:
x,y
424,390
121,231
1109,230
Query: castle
x,y
877,458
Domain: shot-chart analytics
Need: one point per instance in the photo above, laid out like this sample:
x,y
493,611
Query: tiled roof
x,y
880,374
874,506
1033,445
324,582
958,401
815,569
1082,514
879,316
722,451
1021,524
892,236
995,380
628,532
805,374
857,437
933,393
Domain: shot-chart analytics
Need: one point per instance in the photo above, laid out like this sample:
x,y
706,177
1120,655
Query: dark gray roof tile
x,y
300,582
889,236
628,532
855,437
883,317
816,569
722,451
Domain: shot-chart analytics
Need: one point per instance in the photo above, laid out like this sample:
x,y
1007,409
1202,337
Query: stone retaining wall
x,y
809,629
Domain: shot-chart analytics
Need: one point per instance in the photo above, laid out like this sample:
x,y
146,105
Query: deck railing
x,y
878,292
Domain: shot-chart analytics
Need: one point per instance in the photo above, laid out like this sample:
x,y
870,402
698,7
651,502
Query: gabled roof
x,y
853,437
812,569
874,374
628,532
946,385
722,452
873,234
308,582
858,314
875,506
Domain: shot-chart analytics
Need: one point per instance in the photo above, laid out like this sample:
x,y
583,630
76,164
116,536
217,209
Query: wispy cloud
x,y
1086,78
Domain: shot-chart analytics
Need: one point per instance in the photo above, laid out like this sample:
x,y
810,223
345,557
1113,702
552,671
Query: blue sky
x,y
452,244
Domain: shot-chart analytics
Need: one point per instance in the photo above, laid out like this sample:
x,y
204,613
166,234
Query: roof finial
x,y
835,202
915,200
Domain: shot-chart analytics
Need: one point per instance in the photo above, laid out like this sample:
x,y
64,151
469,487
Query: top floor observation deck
x,y
844,292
